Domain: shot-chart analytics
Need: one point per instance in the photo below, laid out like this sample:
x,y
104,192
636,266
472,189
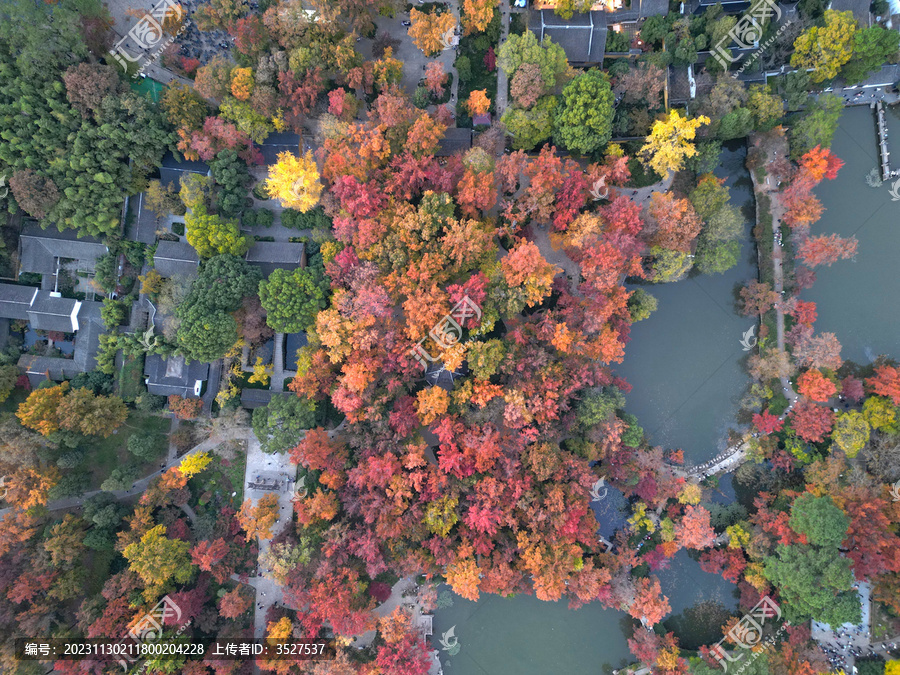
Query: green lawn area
x,y
105,454
223,477
131,379
243,382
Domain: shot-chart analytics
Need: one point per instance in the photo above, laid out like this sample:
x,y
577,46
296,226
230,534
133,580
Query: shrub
x,y
185,408
183,438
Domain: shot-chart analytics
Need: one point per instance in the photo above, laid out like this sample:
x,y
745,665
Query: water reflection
x,y
686,362
855,300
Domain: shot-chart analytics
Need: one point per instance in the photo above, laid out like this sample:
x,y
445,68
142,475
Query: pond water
x,y
685,363
525,636
857,301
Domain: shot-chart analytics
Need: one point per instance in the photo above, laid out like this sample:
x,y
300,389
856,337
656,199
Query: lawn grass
x,y
130,384
105,454
224,477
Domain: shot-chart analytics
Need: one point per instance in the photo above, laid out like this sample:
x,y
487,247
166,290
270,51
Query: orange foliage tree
x,y
431,32
477,14
257,521
815,386
478,102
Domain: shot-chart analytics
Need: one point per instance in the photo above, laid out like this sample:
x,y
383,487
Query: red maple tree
x,y
811,422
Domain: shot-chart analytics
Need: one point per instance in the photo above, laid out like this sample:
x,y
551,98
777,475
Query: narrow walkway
x,y
278,374
277,465
777,209
502,80
173,450
142,484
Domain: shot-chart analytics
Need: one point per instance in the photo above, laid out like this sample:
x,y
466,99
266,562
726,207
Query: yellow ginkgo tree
x,y
261,372
194,464
671,142
294,181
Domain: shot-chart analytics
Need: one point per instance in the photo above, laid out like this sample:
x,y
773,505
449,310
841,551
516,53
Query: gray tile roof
x,y
257,398
37,367
639,9
455,140
87,340
583,37
888,75
293,342
276,143
39,249
860,9
175,257
15,300
173,375
271,255
172,170
49,312
143,222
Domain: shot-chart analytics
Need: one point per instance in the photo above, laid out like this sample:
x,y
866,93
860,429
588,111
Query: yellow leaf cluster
x,y
294,181
261,372
194,464
431,32
431,403
671,142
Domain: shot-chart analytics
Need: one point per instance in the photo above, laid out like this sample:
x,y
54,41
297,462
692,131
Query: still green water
x,y
686,363
857,301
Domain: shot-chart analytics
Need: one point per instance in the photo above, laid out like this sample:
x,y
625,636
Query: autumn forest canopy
x,y
456,312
